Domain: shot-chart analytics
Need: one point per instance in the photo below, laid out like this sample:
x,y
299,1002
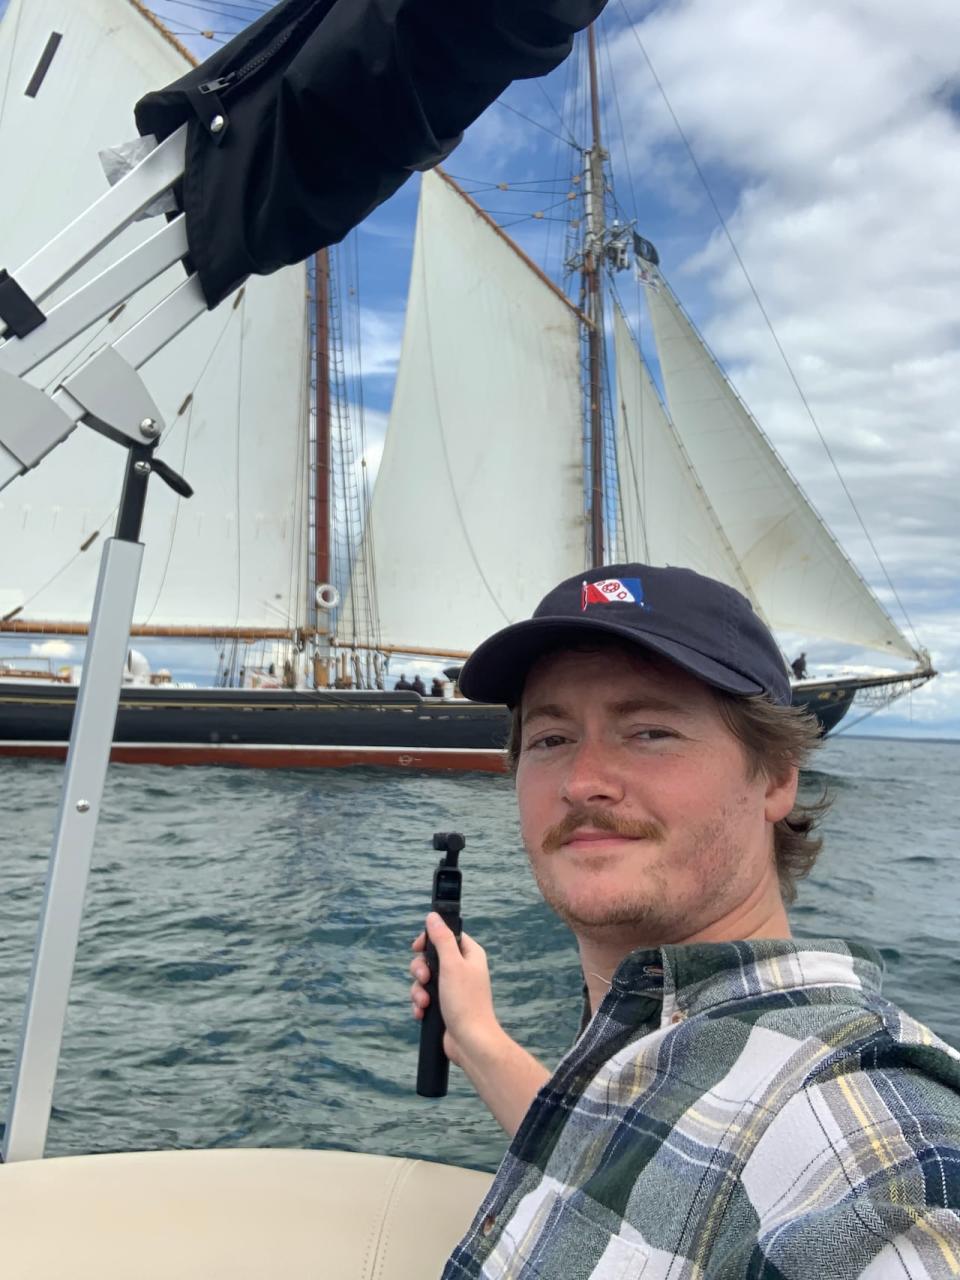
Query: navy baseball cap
x,y
702,625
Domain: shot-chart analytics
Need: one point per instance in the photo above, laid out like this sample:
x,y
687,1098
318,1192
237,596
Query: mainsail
x,y
232,388
479,500
796,570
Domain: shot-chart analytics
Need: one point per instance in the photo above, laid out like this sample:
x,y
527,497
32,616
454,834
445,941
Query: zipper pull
x,y
214,86
205,100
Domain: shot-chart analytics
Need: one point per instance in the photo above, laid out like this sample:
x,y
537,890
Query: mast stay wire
x,y
763,311
558,160
570,142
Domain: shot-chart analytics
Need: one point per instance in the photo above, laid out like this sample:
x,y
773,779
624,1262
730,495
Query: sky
x,y
826,135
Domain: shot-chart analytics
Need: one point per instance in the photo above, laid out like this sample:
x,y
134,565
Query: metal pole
x,y
91,738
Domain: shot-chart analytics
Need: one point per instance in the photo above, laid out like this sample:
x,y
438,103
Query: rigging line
x,y
769,323
563,124
530,120
539,213
51,384
228,319
631,454
337,271
215,37
73,559
484,184
457,506
557,160
895,696
644,470
366,543
239,401
297,574
604,43
527,217
221,8
13,49
350,487
355,433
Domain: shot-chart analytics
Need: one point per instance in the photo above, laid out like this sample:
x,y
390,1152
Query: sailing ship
x,y
273,1212
485,495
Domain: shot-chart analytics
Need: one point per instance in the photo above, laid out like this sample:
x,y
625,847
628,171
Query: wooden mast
x,y
322,521
322,301
592,259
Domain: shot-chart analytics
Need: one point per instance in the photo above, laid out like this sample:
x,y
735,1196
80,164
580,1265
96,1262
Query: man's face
x,y
638,814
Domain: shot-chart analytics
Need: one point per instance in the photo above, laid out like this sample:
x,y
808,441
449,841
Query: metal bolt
x,y
217,123
142,468
83,806
149,428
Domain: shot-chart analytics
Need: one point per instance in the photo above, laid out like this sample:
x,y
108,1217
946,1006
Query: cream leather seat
x,y
181,1215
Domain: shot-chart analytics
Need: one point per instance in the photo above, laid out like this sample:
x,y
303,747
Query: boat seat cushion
x,y
328,1215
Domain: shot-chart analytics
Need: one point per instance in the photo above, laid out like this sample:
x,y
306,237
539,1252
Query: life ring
x,y
327,596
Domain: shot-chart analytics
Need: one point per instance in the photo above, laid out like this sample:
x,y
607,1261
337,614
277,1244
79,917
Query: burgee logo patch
x,y
612,591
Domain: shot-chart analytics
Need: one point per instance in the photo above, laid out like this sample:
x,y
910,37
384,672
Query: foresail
x,y
231,387
797,571
666,516
478,505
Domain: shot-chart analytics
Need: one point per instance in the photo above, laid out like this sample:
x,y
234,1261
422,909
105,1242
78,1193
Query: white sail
x,y
231,387
797,571
479,498
666,516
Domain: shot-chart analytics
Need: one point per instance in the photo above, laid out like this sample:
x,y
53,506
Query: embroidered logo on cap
x,y
612,591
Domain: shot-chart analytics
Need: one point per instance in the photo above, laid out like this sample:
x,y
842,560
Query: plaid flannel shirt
x,y
734,1110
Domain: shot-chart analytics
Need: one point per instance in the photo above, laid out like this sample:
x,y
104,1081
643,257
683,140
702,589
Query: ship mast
x,y
322,559
593,294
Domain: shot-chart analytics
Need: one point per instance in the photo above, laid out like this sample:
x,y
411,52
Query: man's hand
x,y
465,993
505,1075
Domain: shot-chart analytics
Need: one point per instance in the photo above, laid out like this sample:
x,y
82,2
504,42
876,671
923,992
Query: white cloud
x,y
381,333
53,649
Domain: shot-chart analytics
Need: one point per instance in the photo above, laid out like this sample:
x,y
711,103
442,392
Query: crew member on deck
x,y
436,689
403,684
419,687
799,667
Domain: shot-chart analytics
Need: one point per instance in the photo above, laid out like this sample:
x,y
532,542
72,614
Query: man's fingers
x,y
469,947
441,936
420,970
419,942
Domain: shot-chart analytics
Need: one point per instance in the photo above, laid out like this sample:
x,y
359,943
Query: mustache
x,y
600,820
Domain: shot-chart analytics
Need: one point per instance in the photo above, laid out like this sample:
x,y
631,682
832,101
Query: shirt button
x,y
679,1016
488,1224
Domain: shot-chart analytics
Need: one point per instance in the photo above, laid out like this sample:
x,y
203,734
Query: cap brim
x,y
497,669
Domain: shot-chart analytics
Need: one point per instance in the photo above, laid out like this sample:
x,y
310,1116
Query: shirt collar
x,y
702,975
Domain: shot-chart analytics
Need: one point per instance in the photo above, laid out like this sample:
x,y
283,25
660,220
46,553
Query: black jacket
x,y
329,105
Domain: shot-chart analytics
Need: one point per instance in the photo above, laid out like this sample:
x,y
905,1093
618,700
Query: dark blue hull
x,y
293,728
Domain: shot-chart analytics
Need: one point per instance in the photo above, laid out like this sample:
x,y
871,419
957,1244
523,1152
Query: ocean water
x,y
242,970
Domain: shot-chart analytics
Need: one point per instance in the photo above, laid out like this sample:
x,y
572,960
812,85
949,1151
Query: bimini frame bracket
x,y
28,431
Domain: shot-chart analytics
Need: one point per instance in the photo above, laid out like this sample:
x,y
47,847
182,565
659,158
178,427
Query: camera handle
x,y
433,1067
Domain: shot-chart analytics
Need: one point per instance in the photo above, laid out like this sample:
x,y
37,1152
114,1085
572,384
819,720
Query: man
x,y
739,1103
403,684
799,666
